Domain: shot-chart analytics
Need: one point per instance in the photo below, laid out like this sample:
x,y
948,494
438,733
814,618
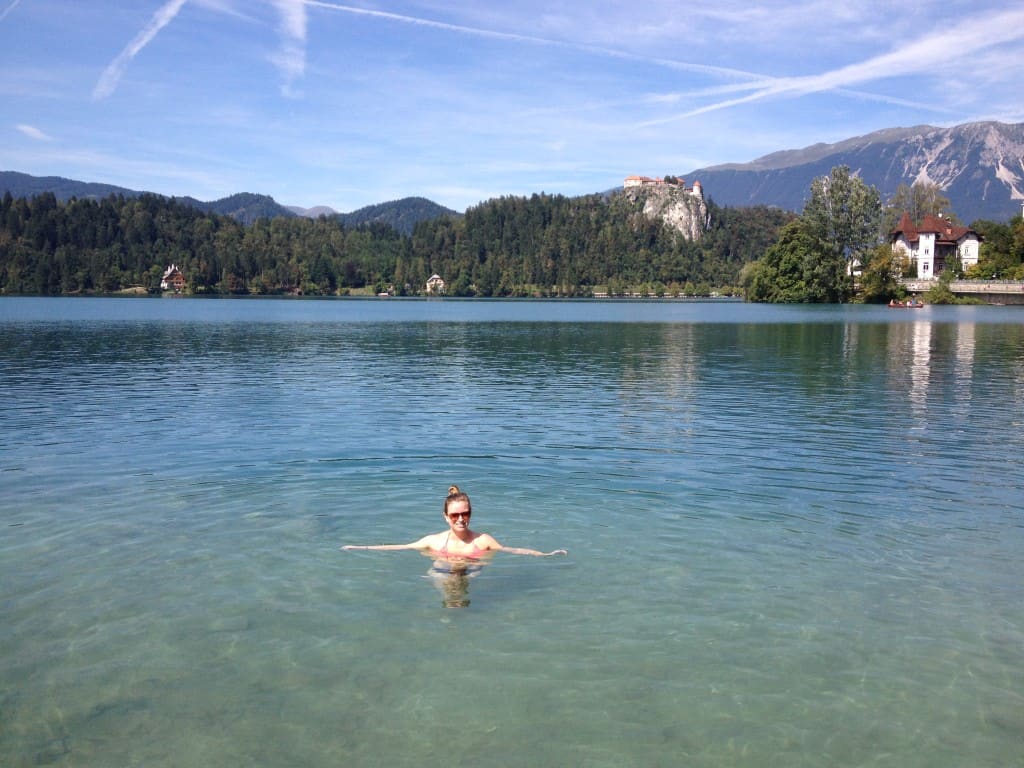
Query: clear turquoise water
x,y
795,534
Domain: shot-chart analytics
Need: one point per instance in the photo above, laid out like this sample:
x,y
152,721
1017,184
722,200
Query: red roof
x,y
906,228
944,230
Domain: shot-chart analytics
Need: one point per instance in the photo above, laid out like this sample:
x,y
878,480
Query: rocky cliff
x,y
675,206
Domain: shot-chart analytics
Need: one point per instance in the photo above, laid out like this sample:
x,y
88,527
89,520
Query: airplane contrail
x,y
965,38
8,9
516,37
112,74
920,56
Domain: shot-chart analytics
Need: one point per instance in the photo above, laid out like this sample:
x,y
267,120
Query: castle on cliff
x,y
670,181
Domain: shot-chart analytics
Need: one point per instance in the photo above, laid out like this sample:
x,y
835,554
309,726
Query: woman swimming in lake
x,y
459,542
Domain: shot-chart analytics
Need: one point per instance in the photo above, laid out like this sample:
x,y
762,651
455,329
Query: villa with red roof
x,y
172,280
931,242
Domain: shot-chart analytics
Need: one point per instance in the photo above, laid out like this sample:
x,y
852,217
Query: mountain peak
x,y
979,167
312,213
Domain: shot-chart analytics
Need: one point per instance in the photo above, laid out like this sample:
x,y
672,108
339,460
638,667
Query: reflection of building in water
x,y
851,338
964,367
925,354
920,368
659,373
670,364
680,362
1018,393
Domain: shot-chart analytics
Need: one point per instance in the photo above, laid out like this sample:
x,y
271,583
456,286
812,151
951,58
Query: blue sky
x,y
351,104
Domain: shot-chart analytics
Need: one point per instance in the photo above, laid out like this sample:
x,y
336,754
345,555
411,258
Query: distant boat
x,y
893,304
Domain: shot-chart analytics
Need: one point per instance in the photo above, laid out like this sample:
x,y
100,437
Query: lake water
x,y
795,534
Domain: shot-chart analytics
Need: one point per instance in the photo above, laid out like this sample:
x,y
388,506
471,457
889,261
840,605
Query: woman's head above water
x,y
455,494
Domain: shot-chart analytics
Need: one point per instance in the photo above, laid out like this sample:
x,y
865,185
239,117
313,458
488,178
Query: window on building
x,y
924,267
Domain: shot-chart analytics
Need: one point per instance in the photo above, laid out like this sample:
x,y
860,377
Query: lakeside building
x,y
435,285
932,242
172,280
632,182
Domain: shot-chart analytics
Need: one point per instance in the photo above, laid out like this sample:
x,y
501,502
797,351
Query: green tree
x,y
842,218
880,278
940,292
781,276
919,200
1001,252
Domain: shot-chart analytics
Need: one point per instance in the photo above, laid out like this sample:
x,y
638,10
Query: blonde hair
x,y
456,494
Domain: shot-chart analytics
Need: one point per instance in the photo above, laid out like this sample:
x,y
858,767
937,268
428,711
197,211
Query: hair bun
x,y
453,489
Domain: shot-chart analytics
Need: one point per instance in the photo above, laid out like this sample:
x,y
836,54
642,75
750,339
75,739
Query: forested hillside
x,y
402,214
538,246
24,185
246,207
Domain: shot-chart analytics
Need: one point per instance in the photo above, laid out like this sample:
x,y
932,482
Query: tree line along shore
x,y
542,245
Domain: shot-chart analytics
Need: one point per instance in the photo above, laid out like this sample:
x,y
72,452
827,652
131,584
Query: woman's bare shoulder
x,y
431,541
485,541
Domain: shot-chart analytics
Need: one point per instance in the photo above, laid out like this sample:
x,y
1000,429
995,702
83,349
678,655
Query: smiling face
x,y
457,515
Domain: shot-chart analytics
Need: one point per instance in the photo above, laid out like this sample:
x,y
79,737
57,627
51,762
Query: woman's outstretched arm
x,y
487,541
534,552
421,544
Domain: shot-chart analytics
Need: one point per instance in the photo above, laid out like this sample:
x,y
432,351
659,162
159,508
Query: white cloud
x,y
293,18
291,59
112,74
33,133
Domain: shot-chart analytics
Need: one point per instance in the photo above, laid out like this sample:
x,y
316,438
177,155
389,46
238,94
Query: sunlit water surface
x,y
795,534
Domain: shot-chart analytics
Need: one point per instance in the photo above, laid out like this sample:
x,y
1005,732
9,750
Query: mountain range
x,y
978,166
246,207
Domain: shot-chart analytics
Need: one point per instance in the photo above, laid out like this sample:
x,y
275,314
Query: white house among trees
x,y
435,285
933,242
172,280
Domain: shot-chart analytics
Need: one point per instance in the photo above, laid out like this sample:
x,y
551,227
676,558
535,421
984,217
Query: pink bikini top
x,y
474,554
